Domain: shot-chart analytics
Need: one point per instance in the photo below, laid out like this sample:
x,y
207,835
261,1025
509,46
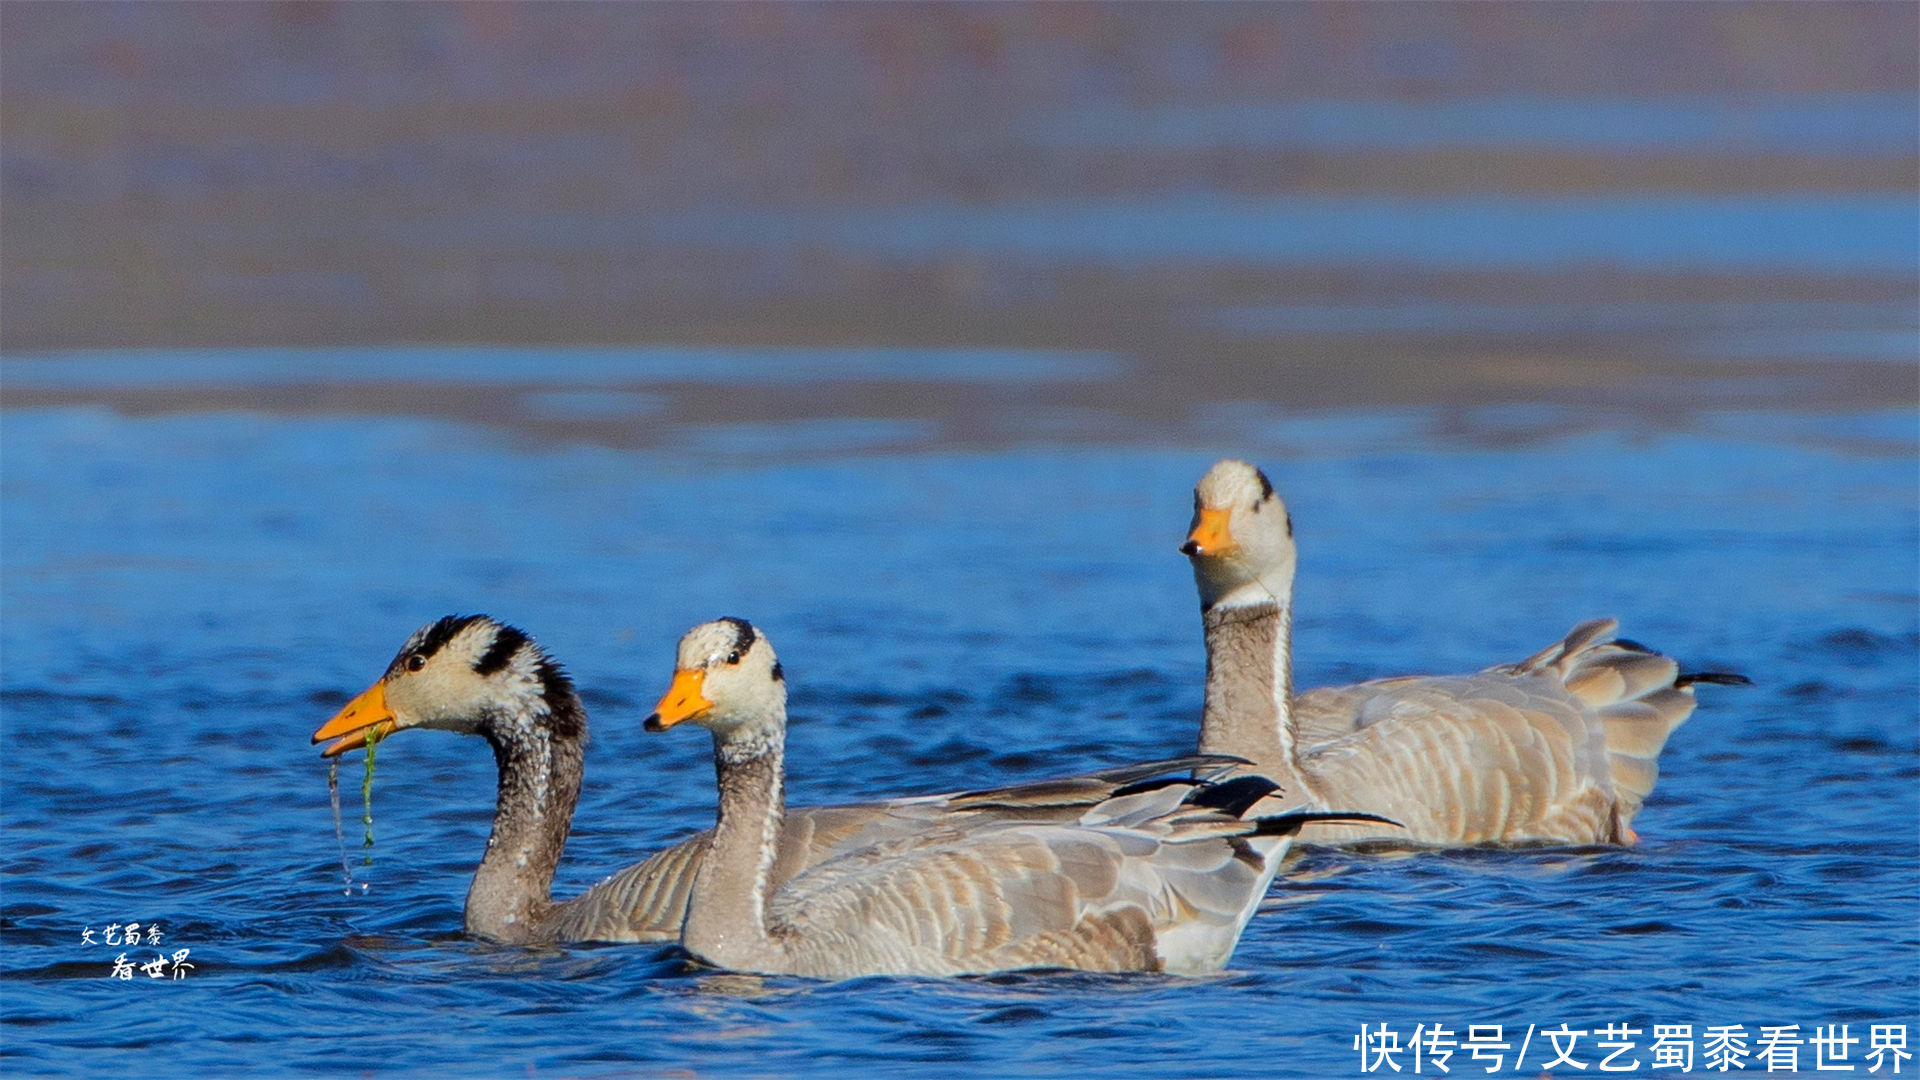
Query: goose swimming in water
x,y
1158,877
475,676
1560,748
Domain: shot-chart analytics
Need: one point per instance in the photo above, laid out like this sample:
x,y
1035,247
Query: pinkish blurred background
x,y
1632,205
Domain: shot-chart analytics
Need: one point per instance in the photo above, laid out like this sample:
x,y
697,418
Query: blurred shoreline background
x,y
904,330
988,223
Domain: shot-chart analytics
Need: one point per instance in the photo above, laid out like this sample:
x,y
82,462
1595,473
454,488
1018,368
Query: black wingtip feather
x,y
1717,678
1143,786
1289,824
1235,796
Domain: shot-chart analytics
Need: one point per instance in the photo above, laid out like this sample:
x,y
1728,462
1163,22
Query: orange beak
x,y
1210,536
683,700
365,717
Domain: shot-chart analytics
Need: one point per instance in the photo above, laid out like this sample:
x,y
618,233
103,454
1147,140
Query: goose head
x,y
467,674
1241,540
726,679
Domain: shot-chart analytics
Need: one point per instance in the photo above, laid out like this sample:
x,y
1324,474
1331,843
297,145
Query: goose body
x,y
647,902
1559,748
1158,876
473,675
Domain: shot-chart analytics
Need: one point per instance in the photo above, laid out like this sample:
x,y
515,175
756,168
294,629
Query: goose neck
x,y
1249,691
540,770
726,911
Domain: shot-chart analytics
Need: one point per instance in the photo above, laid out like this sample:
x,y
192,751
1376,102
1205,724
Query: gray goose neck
x,y
726,908
540,757
1249,692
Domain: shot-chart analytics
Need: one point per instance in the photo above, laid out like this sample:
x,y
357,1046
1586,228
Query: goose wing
x,y
645,902
1326,713
648,900
1506,755
1484,758
1168,894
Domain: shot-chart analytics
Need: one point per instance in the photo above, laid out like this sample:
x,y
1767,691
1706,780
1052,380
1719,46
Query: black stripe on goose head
x,y
507,640
431,638
1266,496
1266,491
565,715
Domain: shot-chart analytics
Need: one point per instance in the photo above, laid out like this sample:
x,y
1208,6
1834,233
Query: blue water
x,y
1721,330
1839,125
1562,317
1876,234
186,597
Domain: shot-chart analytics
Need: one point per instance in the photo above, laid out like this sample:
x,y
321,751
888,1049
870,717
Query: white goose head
x,y
728,680
468,674
1241,541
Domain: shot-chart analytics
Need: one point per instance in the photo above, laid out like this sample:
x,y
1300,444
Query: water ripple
x,y
160,772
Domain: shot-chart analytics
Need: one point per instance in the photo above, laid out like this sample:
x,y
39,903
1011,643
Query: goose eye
x,y
416,662
733,657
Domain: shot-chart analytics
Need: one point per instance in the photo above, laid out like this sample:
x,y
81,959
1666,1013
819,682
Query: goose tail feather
x,y
1640,695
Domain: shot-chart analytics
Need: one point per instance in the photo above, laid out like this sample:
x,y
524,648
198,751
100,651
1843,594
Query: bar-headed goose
x,y
475,676
1560,748
1162,876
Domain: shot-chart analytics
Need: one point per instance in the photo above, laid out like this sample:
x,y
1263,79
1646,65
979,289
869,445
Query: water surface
x,y
1731,234
186,596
